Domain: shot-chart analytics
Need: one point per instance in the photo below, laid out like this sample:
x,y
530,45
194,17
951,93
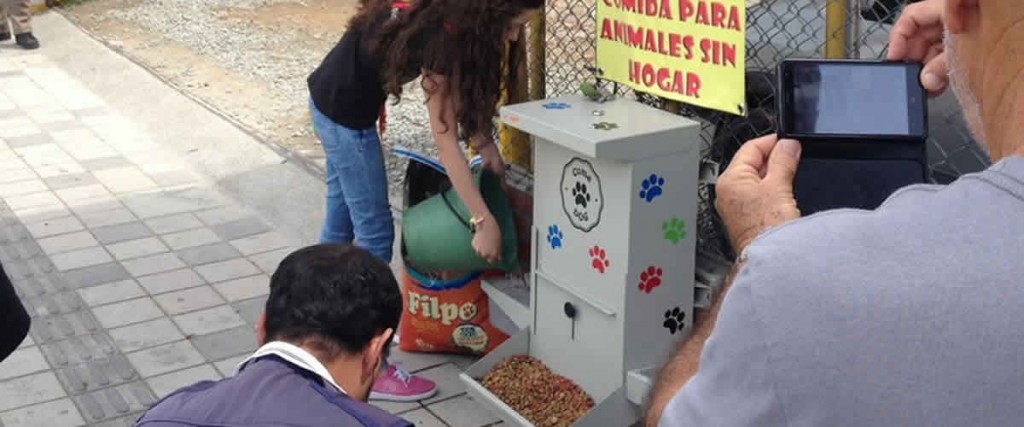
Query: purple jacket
x,y
268,392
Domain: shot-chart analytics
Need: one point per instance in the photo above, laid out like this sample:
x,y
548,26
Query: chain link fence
x,y
776,29
557,54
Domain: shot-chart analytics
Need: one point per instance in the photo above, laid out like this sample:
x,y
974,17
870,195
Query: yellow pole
x,y
835,29
538,86
671,106
515,146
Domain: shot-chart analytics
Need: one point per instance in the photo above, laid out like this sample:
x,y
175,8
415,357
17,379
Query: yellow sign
x,y
691,51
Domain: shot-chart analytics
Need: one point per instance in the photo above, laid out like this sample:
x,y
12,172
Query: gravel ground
x,y
232,43
280,58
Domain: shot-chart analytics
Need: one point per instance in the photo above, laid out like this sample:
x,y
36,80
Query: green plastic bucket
x,y
436,233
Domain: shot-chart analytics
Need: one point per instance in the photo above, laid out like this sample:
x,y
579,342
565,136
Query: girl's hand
x,y
492,160
487,240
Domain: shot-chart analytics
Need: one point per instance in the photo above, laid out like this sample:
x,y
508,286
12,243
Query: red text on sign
x,y
713,14
708,13
718,53
668,80
670,44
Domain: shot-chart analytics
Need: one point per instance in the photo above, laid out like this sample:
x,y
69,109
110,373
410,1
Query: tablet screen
x,y
855,99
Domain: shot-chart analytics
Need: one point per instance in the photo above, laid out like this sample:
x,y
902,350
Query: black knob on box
x,y
570,310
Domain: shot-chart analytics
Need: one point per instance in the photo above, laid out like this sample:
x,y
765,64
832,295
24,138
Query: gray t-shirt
x,y
909,315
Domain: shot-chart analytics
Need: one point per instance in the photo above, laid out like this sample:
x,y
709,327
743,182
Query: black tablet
x,y
851,100
863,128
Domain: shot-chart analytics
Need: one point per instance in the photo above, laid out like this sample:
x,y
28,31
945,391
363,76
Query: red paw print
x,y
650,279
599,259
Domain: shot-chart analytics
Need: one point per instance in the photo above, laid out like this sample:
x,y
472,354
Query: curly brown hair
x,y
463,40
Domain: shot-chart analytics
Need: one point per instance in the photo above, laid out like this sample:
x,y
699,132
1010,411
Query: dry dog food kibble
x,y
539,395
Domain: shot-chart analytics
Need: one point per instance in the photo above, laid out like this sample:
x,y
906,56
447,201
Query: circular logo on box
x,y
470,336
582,198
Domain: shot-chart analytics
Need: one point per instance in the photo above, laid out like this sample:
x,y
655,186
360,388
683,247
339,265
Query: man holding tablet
x,y
905,314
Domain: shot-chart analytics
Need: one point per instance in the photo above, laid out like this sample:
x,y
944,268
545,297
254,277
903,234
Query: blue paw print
x,y
556,106
555,237
650,189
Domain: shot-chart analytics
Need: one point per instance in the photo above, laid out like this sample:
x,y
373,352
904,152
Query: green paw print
x,y
675,230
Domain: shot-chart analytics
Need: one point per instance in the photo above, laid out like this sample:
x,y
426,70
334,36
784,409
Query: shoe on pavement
x,y
27,41
397,385
5,37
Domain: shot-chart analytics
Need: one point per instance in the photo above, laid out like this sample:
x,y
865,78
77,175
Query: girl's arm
x,y
444,124
490,154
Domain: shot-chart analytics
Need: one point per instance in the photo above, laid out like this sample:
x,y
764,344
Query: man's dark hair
x,y
331,296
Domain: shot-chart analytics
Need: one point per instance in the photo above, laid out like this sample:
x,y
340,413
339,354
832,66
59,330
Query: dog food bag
x,y
446,315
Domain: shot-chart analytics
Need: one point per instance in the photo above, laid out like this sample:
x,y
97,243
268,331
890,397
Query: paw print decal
x,y
675,230
556,106
675,320
651,188
555,237
580,195
650,279
599,259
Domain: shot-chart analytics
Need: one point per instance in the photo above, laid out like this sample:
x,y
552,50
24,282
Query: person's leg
x,y
14,320
4,22
365,185
359,165
337,226
5,27
20,13
338,222
358,186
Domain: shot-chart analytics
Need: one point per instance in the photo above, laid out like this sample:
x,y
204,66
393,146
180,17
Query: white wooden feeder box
x,y
615,207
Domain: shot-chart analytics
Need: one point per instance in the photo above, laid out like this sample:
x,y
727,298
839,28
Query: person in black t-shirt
x,y
458,48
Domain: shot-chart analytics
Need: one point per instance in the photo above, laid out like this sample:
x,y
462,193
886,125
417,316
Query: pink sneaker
x,y
397,385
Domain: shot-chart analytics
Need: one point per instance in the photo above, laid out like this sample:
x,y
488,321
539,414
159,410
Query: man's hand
x,y
756,191
917,36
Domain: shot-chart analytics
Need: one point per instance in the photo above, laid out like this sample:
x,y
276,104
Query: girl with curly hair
x,y
457,47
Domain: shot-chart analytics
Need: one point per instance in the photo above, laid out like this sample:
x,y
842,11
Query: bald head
x,y
985,49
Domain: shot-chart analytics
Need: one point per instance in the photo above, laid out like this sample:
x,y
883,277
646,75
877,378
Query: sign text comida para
x,y
687,50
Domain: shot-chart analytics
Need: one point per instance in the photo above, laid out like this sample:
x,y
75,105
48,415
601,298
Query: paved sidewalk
x,y
141,277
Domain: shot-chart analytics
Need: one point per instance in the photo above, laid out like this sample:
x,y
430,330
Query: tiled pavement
x,y
139,275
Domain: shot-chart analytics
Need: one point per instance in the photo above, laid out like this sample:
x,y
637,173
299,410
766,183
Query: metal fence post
x,y
671,106
835,29
537,55
515,146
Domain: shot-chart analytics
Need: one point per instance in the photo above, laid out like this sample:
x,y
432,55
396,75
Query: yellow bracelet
x,y
474,222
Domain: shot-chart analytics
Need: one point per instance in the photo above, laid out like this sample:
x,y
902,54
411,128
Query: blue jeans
x,y
357,187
